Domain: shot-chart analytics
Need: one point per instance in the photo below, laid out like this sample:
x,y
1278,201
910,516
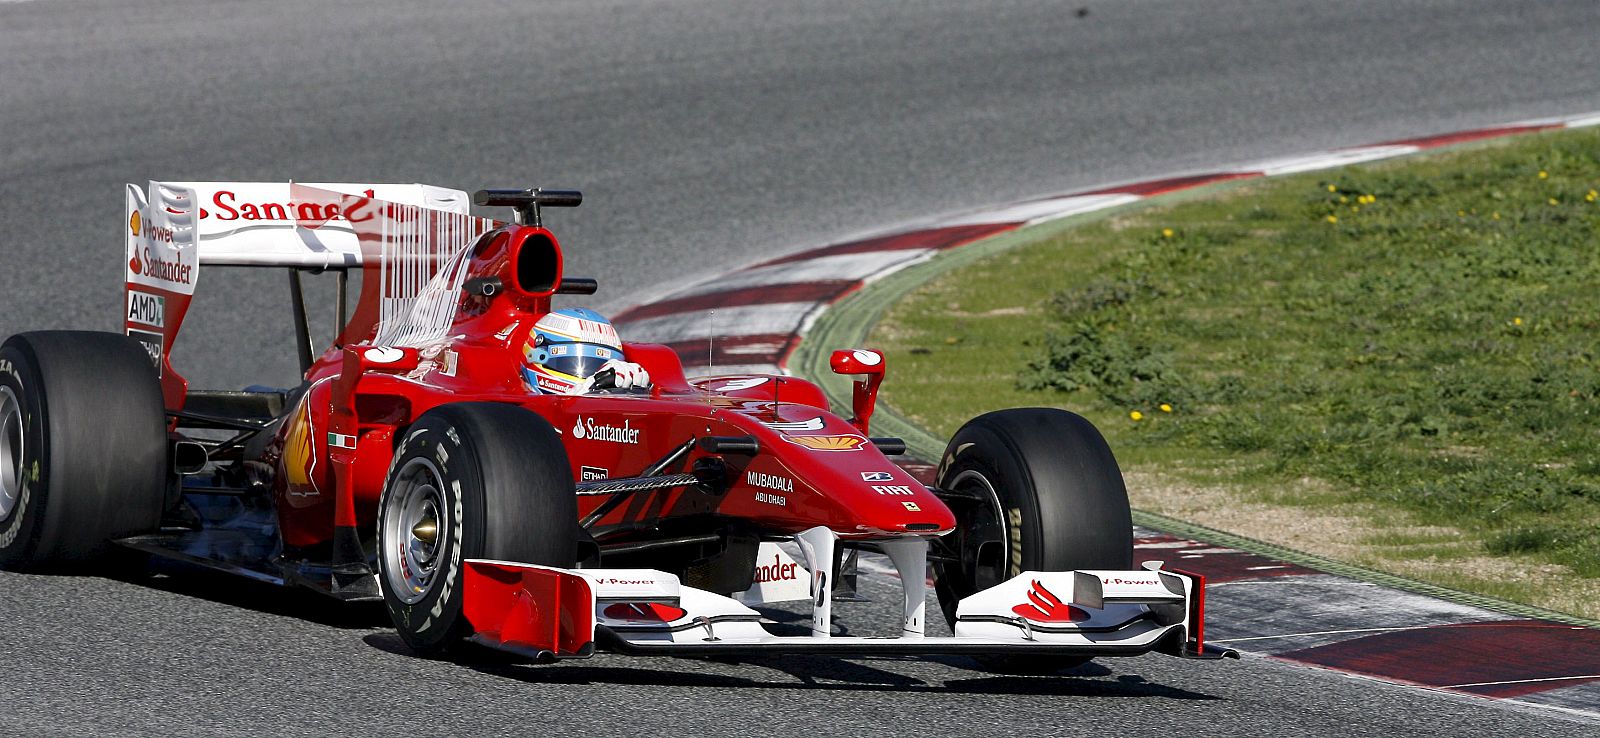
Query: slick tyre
x,y
1037,489
469,481
83,449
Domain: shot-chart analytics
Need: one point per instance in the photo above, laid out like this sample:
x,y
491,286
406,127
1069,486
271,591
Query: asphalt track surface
x,y
706,135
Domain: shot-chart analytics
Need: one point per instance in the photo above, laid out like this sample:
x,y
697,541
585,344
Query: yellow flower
x,y
1136,415
1591,196
1166,233
1355,208
1496,215
1333,188
1460,213
1166,408
1343,199
1516,321
1543,174
1333,219
1554,201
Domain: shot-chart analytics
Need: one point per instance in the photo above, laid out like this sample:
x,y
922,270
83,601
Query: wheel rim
x,y
416,533
984,545
12,462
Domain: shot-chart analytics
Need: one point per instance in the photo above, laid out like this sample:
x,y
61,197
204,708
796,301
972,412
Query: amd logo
x,y
147,309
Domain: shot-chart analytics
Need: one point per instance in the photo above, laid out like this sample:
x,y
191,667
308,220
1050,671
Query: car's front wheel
x,y
469,481
1035,489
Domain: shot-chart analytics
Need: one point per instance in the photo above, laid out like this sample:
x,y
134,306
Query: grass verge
x,y
1392,365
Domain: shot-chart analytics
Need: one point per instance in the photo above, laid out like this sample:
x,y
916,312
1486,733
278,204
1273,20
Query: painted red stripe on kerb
x,y
948,237
1472,653
1429,142
1223,566
757,295
1173,184
754,349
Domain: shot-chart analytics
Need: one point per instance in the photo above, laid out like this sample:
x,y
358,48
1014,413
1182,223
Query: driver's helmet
x,y
567,347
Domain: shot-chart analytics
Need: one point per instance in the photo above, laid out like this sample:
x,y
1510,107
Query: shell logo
x,y
828,443
134,221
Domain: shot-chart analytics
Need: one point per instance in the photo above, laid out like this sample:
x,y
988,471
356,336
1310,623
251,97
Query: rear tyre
x,y
83,449
471,480
1040,491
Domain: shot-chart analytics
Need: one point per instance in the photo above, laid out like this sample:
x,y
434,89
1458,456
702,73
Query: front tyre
x,y
1037,489
469,481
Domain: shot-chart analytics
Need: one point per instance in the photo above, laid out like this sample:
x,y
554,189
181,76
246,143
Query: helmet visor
x,y
580,360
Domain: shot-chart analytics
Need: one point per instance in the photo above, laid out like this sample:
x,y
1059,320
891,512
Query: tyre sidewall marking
x,y
434,609
20,525
1019,521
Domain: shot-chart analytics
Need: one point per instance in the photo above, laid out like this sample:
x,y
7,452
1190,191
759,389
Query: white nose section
x,y
817,545
910,557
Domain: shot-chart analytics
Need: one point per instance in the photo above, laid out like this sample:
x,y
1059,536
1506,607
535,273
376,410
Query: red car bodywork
x,y
813,471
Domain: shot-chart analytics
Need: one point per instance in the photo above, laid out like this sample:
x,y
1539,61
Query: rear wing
x,y
256,223
174,228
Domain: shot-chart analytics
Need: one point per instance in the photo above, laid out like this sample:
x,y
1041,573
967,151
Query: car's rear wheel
x,y
1036,489
469,481
83,448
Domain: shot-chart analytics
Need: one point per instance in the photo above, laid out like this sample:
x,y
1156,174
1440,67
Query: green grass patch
x,y
1421,336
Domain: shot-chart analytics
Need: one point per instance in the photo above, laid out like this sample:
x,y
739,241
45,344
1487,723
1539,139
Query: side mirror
x,y
869,366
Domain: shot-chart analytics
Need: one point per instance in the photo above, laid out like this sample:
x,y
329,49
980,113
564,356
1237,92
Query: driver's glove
x,y
624,375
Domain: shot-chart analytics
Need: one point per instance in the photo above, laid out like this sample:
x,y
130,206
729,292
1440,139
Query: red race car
x,y
505,474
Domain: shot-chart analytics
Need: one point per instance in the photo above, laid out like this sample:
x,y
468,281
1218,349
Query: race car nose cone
x,y
426,530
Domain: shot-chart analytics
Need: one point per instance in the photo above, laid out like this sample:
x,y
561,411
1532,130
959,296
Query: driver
x,y
572,351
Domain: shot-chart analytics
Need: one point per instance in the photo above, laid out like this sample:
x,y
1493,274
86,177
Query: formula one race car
x,y
415,465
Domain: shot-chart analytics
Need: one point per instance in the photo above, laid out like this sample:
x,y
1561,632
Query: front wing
x,y
548,613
